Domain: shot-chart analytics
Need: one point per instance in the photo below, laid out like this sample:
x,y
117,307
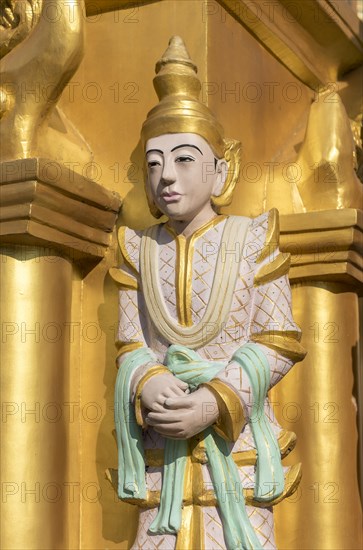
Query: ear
x,y
221,176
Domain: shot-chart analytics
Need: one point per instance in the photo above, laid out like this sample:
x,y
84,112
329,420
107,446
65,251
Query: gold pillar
x,y
54,231
317,400
324,419
36,292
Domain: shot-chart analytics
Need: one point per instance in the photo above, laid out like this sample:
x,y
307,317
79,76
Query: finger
x,y
176,392
162,397
165,417
182,385
180,391
172,392
157,406
178,403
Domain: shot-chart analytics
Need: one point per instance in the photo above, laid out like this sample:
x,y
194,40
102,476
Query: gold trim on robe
x,y
272,235
125,347
231,416
282,343
273,270
287,441
152,371
191,533
194,499
221,295
184,268
123,280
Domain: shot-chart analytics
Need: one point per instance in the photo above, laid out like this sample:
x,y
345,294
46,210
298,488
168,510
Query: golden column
x,y
319,398
36,291
55,226
53,233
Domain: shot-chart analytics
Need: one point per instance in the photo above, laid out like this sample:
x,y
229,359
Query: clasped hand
x,y
173,412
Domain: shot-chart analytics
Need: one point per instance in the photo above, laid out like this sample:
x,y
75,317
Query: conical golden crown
x,y
180,110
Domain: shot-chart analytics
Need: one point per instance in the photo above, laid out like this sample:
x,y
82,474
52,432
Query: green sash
x,y
131,463
188,366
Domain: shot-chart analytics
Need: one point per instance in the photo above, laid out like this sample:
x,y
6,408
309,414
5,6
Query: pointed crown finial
x,y
175,72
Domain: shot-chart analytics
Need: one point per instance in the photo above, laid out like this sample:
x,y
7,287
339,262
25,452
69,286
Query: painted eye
x,y
153,163
184,158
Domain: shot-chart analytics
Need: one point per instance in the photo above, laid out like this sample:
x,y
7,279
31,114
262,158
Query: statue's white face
x,y
183,174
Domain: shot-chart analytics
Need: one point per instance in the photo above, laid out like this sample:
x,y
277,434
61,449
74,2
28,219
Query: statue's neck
x,y
188,227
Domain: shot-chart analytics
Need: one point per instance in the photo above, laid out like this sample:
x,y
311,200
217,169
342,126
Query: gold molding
x,y
323,219
289,31
44,203
58,175
96,7
324,246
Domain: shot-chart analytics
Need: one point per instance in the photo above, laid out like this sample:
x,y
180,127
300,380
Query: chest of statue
x,y
198,290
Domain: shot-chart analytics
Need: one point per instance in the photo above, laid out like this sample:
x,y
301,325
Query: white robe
x,y
260,312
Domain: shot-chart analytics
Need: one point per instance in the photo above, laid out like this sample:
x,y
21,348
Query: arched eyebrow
x,y
187,145
154,151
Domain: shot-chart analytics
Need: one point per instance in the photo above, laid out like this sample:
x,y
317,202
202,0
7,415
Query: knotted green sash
x,y
188,366
269,472
131,463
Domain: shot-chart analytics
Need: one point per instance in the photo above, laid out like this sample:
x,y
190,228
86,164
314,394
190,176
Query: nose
x,y
168,175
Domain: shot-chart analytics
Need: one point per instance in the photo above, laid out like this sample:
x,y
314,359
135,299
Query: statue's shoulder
x,y
270,262
259,226
129,241
266,222
263,235
265,227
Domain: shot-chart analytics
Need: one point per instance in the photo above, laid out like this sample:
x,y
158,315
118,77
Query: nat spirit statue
x,y
205,331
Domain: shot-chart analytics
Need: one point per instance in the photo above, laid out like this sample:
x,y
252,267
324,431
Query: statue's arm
x,y
132,329
271,327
